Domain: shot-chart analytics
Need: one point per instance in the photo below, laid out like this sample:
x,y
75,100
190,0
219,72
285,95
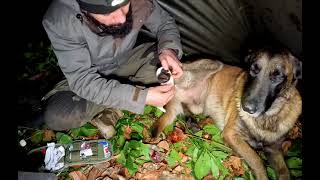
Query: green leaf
x,y
295,149
158,112
263,156
85,130
199,117
147,109
37,136
88,132
75,132
238,178
217,138
271,173
168,129
249,175
178,145
195,154
122,159
190,151
294,163
189,164
133,154
126,113
296,172
199,133
140,161
117,143
214,168
211,129
131,166
136,136
137,127
202,166
223,169
219,154
63,138
173,157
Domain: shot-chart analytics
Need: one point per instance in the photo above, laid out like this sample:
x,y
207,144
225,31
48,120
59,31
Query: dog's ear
x,y
297,68
250,57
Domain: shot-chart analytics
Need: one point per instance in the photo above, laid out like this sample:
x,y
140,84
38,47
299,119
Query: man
x,y
94,41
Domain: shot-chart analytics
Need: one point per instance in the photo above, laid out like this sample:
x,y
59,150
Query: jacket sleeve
x,y
83,78
164,26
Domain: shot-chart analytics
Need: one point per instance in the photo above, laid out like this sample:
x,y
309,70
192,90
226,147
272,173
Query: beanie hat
x,y
101,6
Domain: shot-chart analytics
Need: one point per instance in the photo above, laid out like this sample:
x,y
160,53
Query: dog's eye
x,y
275,76
254,69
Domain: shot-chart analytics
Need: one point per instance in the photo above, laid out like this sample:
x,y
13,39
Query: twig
x,y
218,145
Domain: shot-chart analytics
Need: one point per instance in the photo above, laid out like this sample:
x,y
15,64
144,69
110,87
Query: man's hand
x,y
160,95
169,61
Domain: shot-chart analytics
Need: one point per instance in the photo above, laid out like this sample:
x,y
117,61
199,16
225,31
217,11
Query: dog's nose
x,y
250,108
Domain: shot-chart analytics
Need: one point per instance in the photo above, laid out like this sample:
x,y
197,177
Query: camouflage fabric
x,y
101,152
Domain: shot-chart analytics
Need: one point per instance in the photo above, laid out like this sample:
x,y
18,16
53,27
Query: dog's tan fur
x,y
216,89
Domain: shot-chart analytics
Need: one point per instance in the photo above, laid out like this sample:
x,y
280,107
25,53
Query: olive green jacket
x,y
83,55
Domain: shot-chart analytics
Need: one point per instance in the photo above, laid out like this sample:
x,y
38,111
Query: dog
x,y
255,107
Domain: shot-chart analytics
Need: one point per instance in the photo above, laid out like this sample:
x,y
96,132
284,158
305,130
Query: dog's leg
x,y
242,148
173,108
276,160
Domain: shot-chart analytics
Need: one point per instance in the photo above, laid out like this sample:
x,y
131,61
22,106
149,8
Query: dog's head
x,y
271,72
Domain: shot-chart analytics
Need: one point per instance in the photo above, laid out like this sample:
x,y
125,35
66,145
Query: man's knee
x,y
65,110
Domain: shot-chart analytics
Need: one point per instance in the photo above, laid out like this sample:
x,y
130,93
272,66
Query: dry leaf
x,y
152,140
184,158
77,175
285,146
127,132
206,121
178,170
106,178
209,177
48,135
296,131
41,76
124,172
151,175
168,175
206,136
164,145
176,136
94,173
96,137
78,166
102,166
145,133
111,171
187,171
149,167
138,175
234,164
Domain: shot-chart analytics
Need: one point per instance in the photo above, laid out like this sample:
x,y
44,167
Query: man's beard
x,y
117,30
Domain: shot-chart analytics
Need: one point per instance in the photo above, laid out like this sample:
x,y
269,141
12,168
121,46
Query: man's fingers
x,y
164,64
166,88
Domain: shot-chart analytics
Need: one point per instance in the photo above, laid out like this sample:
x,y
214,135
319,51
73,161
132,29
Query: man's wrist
x,y
169,49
